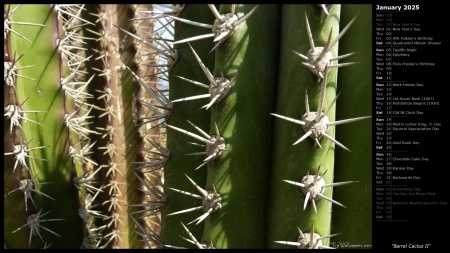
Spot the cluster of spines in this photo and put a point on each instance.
(154, 59)
(106, 111)
(115, 104)
(152, 65)
(80, 119)
(26, 182)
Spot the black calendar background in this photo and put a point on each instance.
(414, 225)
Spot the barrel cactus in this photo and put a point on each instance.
(172, 126)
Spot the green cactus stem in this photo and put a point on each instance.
(179, 163)
(241, 173)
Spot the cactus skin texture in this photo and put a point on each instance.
(89, 122)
